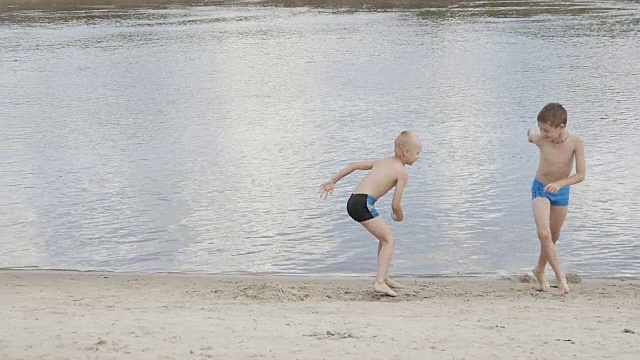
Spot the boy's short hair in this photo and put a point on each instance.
(406, 139)
(553, 114)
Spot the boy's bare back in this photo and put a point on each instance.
(382, 177)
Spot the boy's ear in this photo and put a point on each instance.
(405, 151)
(562, 126)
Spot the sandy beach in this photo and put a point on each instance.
(69, 315)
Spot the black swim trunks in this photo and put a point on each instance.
(360, 207)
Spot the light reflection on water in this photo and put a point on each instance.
(195, 138)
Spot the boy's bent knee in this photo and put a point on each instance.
(387, 239)
(544, 235)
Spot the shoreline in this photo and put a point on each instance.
(525, 277)
(83, 4)
(74, 315)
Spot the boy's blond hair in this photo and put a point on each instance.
(553, 114)
(405, 140)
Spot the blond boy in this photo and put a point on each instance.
(383, 175)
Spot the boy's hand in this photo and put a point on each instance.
(395, 217)
(326, 189)
(553, 188)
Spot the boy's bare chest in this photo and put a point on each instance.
(557, 153)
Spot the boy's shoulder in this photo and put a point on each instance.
(576, 139)
(391, 164)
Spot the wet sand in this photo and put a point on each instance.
(69, 315)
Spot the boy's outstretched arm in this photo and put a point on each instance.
(329, 185)
(396, 204)
(533, 136)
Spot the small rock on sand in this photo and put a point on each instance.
(573, 278)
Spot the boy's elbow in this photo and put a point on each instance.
(356, 166)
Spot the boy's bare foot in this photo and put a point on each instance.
(383, 289)
(563, 287)
(393, 284)
(543, 283)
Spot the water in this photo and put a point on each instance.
(194, 139)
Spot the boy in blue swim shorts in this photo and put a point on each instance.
(550, 189)
(383, 175)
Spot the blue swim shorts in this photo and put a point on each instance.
(561, 198)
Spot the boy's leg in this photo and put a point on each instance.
(388, 280)
(381, 231)
(558, 215)
(541, 210)
(541, 215)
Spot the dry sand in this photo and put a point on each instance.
(68, 315)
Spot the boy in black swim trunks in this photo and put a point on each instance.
(384, 174)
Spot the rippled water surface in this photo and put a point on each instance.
(195, 138)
